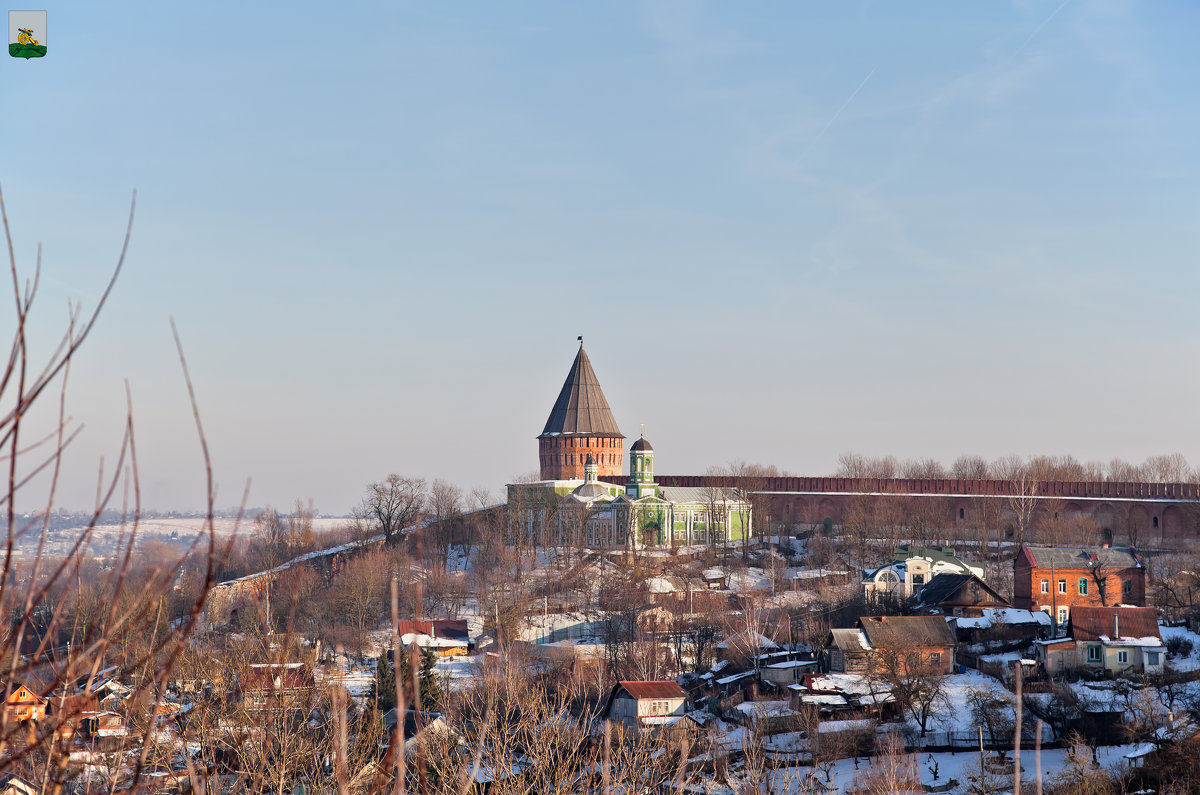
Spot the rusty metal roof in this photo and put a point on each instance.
(1089, 623)
(664, 689)
(581, 408)
(907, 632)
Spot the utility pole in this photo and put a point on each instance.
(1017, 733)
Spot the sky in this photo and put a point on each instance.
(785, 230)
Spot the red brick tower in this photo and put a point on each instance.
(580, 424)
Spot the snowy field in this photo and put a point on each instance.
(189, 527)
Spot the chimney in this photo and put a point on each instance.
(1116, 626)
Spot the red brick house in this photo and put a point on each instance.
(1055, 579)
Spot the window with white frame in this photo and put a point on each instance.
(1123, 658)
(1093, 654)
(1062, 586)
(1045, 586)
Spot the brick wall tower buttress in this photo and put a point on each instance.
(580, 425)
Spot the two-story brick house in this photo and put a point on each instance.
(1055, 579)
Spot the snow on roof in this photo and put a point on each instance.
(749, 640)
(1149, 642)
(1004, 657)
(714, 573)
(853, 684)
(810, 574)
(793, 664)
(660, 585)
(995, 616)
(830, 726)
(428, 642)
(734, 677)
(764, 709)
(826, 700)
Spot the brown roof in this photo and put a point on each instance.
(916, 632)
(1081, 557)
(290, 676)
(581, 407)
(663, 689)
(438, 628)
(1089, 623)
(414, 628)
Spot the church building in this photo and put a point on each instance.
(583, 498)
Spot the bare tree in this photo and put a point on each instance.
(970, 467)
(856, 465)
(445, 508)
(1023, 503)
(360, 591)
(393, 504)
(1171, 468)
(891, 770)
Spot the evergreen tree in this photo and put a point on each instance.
(385, 683)
(431, 685)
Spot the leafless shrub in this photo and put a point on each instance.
(120, 618)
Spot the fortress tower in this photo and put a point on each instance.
(580, 425)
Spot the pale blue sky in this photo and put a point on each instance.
(786, 231)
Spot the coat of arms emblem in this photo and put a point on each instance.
(27, 34)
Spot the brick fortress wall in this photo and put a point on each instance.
(1154, 510)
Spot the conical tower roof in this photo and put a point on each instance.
(581, 407)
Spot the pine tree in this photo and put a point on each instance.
(385, 684)
(431, 686)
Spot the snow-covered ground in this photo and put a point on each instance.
(1191, 662)
(458, 672)
(949, 765)
(953, 714)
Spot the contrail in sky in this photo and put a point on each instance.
(1038, 29)
(849, 99)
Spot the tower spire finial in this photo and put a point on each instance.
(580, 338)
(643, 430)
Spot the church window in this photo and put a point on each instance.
(1155, 522)
(962, 513)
